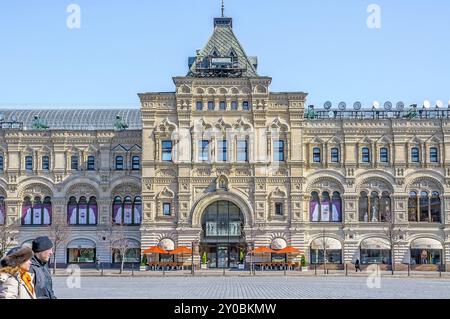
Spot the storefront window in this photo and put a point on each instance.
(375, 256)
(132, 255)
(425, 256)
(81, 255)
(334, 256)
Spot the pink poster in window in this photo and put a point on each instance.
(128, 214)
(137, 214)
(325, 208)
(82, 214)
(47, 211)
(26, 215)
(37, 214)
(93, 214)
(117, 213)
(72, 214)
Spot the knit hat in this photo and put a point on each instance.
(16, 256)
(41, 244)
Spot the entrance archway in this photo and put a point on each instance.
(223, 239)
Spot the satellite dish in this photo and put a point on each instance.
(426, 104)
(388, 106)
(14, 118)
(342, 106)
(357, 106)
(400, 106)
(327, 105)
(376, 105)
(439, 104)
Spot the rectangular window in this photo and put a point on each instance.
(279, 209)
(74, 162)
(384, 155)
(166, 209)
(211, 105)
(223, 105)
(222, 150)
(29, 163)
(45, 163)
(317, 158)
(245, 106)
(167, 151)
(242, 151)
(199, 105)
(119, 163)
(203, 151)
(90, 163)
(1, 163)
(136, 163)
(234, 105)
(415, 158)
(334, 155)
(278, 149)
(365, 155)
(433, 155)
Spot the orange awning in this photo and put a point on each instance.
(262, 250)
(181, 251)
(155, 250)
(289, 250)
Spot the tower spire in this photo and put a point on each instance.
(223, 8)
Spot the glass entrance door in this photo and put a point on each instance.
(222, 257)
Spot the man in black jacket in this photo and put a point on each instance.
(43, 284)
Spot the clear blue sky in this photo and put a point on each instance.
(322, 47)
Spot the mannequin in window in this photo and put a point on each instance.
(366, 217)
(424, 257)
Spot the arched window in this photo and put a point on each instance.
(234, 105)
(90, 163)
(434, 155)
(2, 164)
(199, 106)
(2, 210)
(278, 147)
(136, 163)
(413, 208)
(384, 155)
(424, 205)
(245, 105)
(36, 212)
(29, 163)
(365, 155)
(325, 209)
(435, 208)
(385, 208)
(374, 207)
(363, 207)
(222, 105)
(46, 163)
(415, 155)
(211, 105)
(128, 211)
(119, 163)
(82, 212)
(317, 158)
(335, 155)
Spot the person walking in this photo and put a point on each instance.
(98, 263)
(43, 250)
(15, 280)
(357, 265)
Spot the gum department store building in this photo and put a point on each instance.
(225, 164)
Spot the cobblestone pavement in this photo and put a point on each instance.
(278, 287)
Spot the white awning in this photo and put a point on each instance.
(426, 243)
(81, 243)
(330, 244)
(375, 243)
(167, 244)
(278, 243)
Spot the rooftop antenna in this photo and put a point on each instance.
(223, 9)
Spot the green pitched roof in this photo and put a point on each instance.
(224, 43)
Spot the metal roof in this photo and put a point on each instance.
(75, 119)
